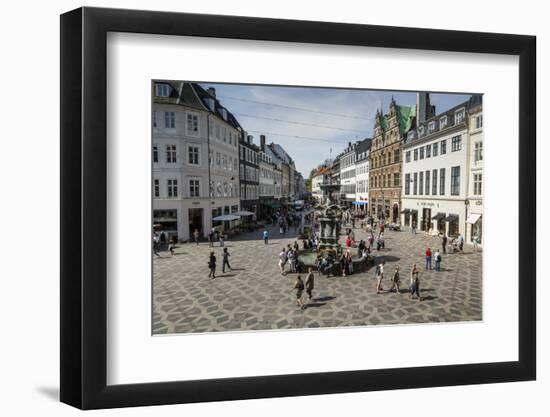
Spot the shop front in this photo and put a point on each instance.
(475, 223)
(439, 222)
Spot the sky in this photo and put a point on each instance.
(313, 124)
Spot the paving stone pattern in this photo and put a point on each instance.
(255, 296)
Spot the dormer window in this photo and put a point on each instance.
(163, 90)
(459, 116)
(431, 126)
(224, 114)
(421, 130)
(443, 122)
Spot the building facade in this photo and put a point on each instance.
(347, 175)
(474, 218)
(195, 158)
(362, 176)
(436, 173)
(249, 174)
(385, 161)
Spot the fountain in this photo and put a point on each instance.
(330, 218)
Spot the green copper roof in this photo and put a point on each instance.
(405, 116)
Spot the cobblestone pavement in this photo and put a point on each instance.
(255, 296)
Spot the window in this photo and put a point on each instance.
(396, 179)
(408, 156)
(193, 155)
(428, 151)
(194, 188)
(163, 90)
(192, 124)
(435, 149)
(459, 117)
(421, 183)
(479, 121)
(456, 143)
(477, 184)
(169, 120)
(156, 188)
(224, 134)
(407, 184)
(155, 153)
(415, 153)
(396, 156)
(235, 164)
(218, 159)
(443, 122)
(154, 119)
(218, 132)
(415, 183)
(478, 151)
(455, 180)
(422, 152)
(443, 147)
(171, 154)
(172, 186)
(224, 161)
(442, 181)
(434, 182)
(427, 187)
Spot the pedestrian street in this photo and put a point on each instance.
(255, 296)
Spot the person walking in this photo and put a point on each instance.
(414, 278)
(342, 262)
(171, 246)
(437, 257)
(444, 243)
(475, 241)
(413, 227)
(310, 284)
(282, 261)
(291, 260)
(212, 265)
(196, 236)
(460, 242)
(382, 240)
(221, 240)
(415, 285)
(349, 262)
(225, 260)
(266, 237)
(379, 277)
(211, 238)
(299, 287)
(395, 281)
(428, 259)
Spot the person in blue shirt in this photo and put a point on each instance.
(266, 236)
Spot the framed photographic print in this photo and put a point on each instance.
(256, 208)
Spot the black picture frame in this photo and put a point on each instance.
(84, 207)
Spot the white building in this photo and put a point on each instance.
(362, 176)
(316, 191)
(436, 172)
(189, 128)
(474, 219)
(347, 175)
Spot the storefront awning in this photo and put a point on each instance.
(406, 211)
(451, 218)
(473, 218)
(360, 203)
(438, 216)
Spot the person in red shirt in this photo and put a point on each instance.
(428, 259)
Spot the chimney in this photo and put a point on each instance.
(212, 91)
(250, 139)
(262, 142)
